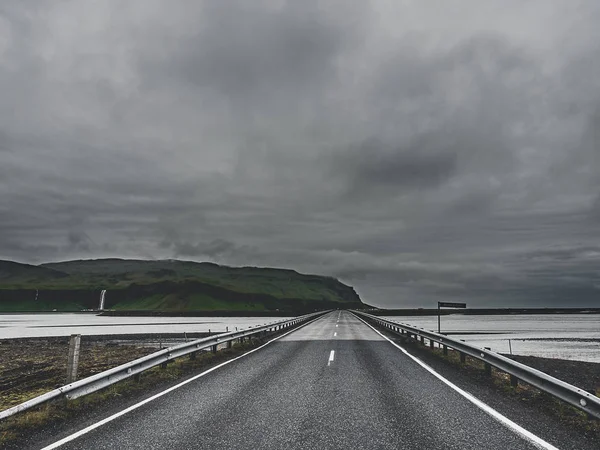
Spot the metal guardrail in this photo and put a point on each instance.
(101, 380)
(577, 397)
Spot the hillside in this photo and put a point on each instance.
(167, 285)
(13, 272)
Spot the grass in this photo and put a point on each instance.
(55, 414)
(568, 414)
(161, 285)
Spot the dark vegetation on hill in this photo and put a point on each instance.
(167, 285)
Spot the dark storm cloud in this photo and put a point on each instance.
(215, 249)
(417, 156)
(372, 165)
(254, 52)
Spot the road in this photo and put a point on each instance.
(333, 384)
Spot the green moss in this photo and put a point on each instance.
(19, 425)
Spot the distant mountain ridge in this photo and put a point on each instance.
(166, 285)
(14, 270)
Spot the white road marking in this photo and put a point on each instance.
(528, 435)
(331, 357)
(336, 326)
(335, 334)
(86, 430)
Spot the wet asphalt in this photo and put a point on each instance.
(333, 384)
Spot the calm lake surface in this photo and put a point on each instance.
(565, 336)
(65, 324)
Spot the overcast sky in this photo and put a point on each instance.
(417, 150)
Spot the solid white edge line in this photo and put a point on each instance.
(527, 435)
(86, 430)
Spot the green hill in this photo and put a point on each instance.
(13, 272)
(167, 285)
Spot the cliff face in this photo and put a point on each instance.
(172, 286)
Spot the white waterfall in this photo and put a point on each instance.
(102, 295)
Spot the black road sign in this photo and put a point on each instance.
(451, 305)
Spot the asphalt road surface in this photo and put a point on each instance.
(333, 384)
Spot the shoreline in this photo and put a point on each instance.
(480, 311)
(289, 313)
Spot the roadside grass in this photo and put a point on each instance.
(524, 392)
(33, 366)
(53, 415)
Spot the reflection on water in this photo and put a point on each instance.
(565, 336)
(64, 324)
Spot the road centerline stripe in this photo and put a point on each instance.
(98, 424)
(331, 357)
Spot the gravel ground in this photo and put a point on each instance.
(32, 366)
(585, 375)
(538, 413)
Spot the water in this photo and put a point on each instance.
(65, 324)
(102, 296)
(565, 336)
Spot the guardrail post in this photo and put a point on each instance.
(422, 340)
(487, 366)
(589, 404)
(488, 369)
(229, 344)
(73, 360)
(193, 355)
(431, 343)
(214, 348)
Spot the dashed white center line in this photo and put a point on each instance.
(336, 326)
(335, 334)
(331, 357)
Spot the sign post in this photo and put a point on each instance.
(447, 305)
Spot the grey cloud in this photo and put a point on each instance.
(290, 46)
(373, 165)
(79, 240)
(213, 249)
(414, 157)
